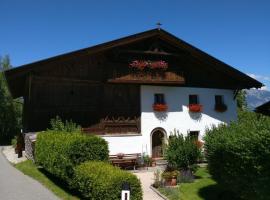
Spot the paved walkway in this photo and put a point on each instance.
(147, 178)
(14, 185)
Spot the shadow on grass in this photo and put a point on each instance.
(60, 183)
(215, 192)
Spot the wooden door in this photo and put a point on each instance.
(157, 144)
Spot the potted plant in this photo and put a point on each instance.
(195, 107)
(146, 160)
(174, 175)
(170, 177)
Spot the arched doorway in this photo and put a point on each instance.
(158, 137)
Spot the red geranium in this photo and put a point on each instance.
(195, 107)
(142, 64)
(160, 107)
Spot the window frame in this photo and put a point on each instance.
(159, 98)
(221, 100)
(192, 98)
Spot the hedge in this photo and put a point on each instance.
(239, 156)
(59, 152)
(102, 181)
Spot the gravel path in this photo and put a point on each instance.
(147, 178)
(14, 185)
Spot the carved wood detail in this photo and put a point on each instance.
(151, 76)
(115, 125)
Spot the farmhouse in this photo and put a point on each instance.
(133, 91)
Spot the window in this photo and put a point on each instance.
(219, 100)
(193, 99)
(159, 99)
(194, 135)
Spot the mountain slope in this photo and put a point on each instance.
(257, 97)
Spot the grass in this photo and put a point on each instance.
(203, 188)
(56, 186)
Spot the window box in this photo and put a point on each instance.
(220, 107)
(144, 64)
(160, 107)
(195, 107)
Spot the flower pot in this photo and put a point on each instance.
(174, 181)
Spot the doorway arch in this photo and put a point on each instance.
(158, 138)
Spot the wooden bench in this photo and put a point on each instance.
(125, 161)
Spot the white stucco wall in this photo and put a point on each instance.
(125, 144)
(177, 116)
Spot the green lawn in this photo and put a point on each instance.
(57, 187)
(203, 188)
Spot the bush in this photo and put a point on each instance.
(68, 126)
(60, 152)
(239, 156)
(182, 152)
(102, 181)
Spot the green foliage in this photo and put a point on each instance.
(68, 126)
(10, 110)
(170, 174)
(146, 159)
(102, 181)
(60, 152)
(181, 152)
(239, 155)
(241, 100)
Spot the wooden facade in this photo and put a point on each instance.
(96, 88)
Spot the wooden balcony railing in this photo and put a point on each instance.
(118, 125)
(148, 77)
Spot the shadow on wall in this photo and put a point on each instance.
(208, 110)
(161, 116)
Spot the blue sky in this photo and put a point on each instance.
(234, 31)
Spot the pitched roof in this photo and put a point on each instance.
(264, 108)
(19, 73)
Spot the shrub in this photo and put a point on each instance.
(181, 152)
(68, 126)
(102, 181)
(60, 152)
(239, 155)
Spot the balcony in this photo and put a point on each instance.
(119, 125)
(147, 77)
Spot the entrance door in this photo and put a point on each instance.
(157, 144)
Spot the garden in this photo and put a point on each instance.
(238, 162)
(76, 166)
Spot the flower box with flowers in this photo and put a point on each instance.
(220, 107)
(195, 107)
(148, 64)
(160, 107)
